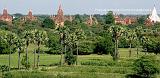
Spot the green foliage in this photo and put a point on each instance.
(48, 23)
(53, 43)
(104, 46)
(7, 42)
(110, 18)
(70, 59)
(24, 62)
(152, 45)
(123, 43)
(142, 19)
(98, 62)
(146, 67)
(4, 68)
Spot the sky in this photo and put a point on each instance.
(80, 6)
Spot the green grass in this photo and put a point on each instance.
(90, 66)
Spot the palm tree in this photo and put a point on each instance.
(130, 37)
(20, 45)
(40, 37)
(139, 35)
(79, 35)
(10, 39)
(63, 32)
(28, 36)
(117, 32)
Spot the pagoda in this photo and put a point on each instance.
(59, 18)
(5, 16)
(91, 21)
(29, 17)
(154, 16)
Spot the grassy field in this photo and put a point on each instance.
(90, 66)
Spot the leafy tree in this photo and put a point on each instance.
(11, 40)
(20, 45)
(79, 35)
(105, 46)
(145, 67)
(116, 31)
(130, 37)
(28, 36)
(48, 23)
(139, 35)
(142, 19)
(53, 43)
(110, 18)
(40, 37)
(63, 33)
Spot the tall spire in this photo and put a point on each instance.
(5, 11)
(154, 16)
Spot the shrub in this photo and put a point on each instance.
(145, 67)
(70, 58)
(24, 62)
(4, 68)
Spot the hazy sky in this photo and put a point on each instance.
(79, 6)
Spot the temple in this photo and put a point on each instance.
(124, 21)
(5, 16)
(59, 18)
(153, 18)
(91, 21)
(29, 17)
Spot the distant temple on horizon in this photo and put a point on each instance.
(153, 18)
(6, 17)
(91, 21)
(124, 21)
(29, 17)
(59, 19)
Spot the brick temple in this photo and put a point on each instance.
(6, 17)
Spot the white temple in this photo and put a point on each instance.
(154, 16)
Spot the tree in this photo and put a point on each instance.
(139, 35)
(110, 18)
(48, 23)
(28, 36)
(105, 46)
(145, 67)
(63, 33)
(116, 31)
(130, 37)
(79, 35)
(40, 37)
(20, 45)
(142, 19)
(11, 40)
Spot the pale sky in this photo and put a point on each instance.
(79, 6)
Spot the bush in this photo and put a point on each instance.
(145, 67)
(24, 62)
(4, 68)
(70, 58)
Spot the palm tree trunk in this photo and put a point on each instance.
(137, 49)
(10, 58)
(77, 55)
(61, 60)
(34, 58)
(38, 60)
(27, 56)
(130, 51)
(116, 53)
(19, 58)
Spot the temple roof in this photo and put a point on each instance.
(154, 16)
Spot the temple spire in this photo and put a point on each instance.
(154, 16)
